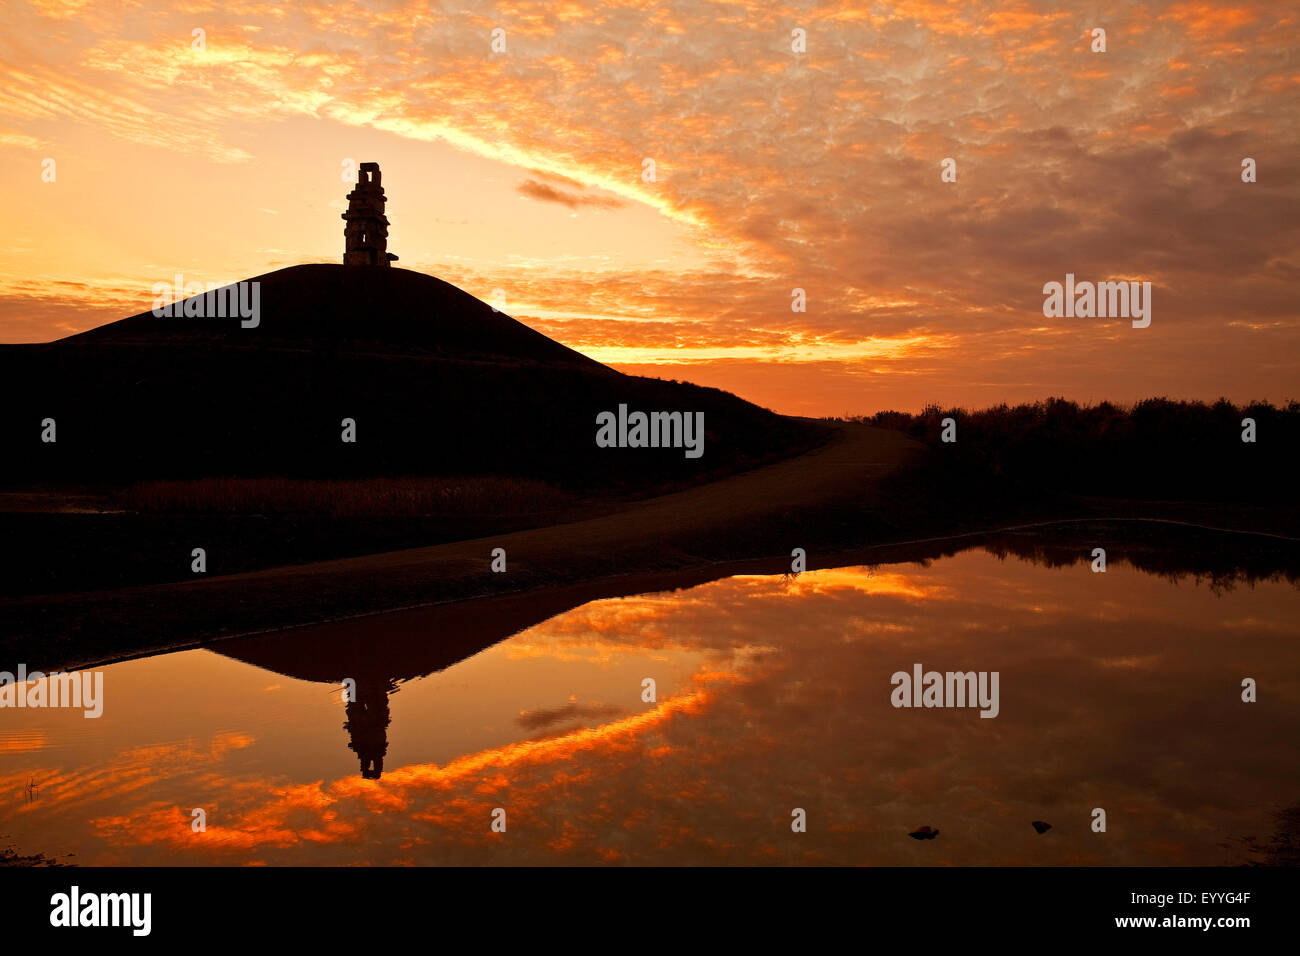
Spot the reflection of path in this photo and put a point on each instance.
(367, 725)
(657, 535)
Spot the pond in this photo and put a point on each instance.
(750, 720)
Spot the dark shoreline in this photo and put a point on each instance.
(1062, 541)
(850, 501)
(399, 648)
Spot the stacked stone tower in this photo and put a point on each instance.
(366, 233)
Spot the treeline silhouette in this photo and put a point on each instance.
(1157, 449)
(1221, 562)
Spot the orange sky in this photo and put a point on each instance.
(521, 170)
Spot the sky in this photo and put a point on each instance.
(524, 170)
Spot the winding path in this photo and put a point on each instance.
(654, 540)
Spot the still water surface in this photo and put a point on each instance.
(1120, 691)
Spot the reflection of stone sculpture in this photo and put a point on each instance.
(366, 232)
(367, 725)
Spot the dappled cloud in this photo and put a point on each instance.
(775, 170)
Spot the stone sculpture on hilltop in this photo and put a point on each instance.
(366, 233)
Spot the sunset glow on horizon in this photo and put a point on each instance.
(522, 170)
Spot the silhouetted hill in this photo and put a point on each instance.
(436, 381)
(383, 311)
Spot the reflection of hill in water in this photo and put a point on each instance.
(398, 646)
(380, 652)
(404, 645)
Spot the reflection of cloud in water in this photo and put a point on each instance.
(540, 719)
(455, 797)
(1118, 691)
